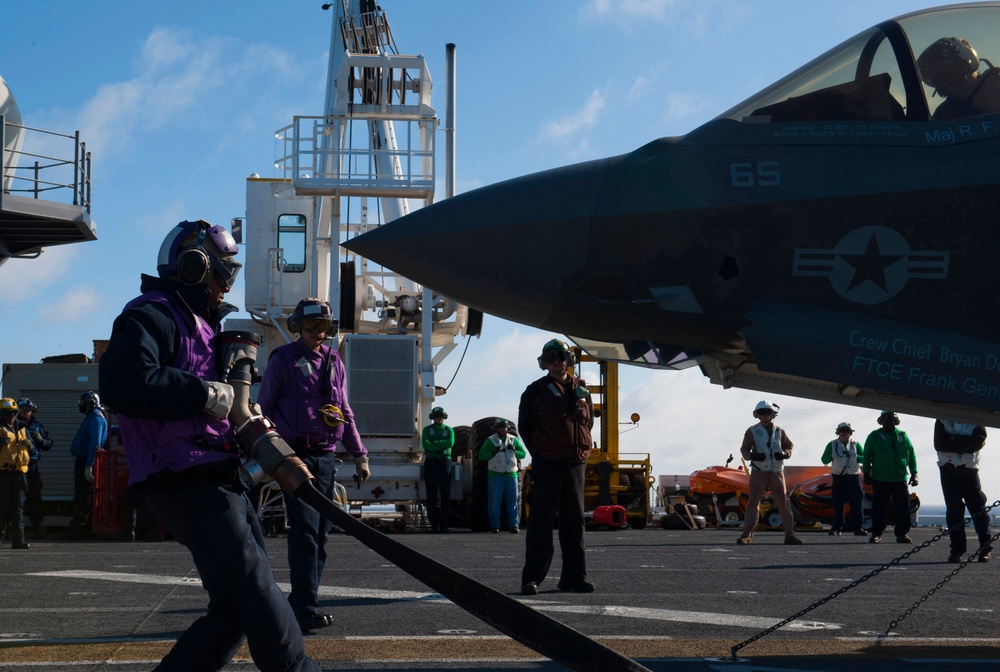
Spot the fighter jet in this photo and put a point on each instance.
(833, 237)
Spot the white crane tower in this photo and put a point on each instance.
(339, 174)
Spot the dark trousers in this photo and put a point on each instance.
(882, 492)
(33, 509)
(12, 487)
(557, 489)
(437, 477)
(847, 490)
(83, 494)
(211, 515)
(307, 534)
(961, 489)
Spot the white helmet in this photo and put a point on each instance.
(764, 405)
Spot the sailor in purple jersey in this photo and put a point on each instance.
(159, 373)
(304, 392)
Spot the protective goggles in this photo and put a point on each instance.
(225, 271)
(557, 356)
(316, 324)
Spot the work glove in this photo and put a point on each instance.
(867, 479)
(914, 480)
(361, 464)
(782, 455)
(88, 473)
(757, 456)
(36, 436)
(220, 399)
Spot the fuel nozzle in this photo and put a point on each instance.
(237, 361)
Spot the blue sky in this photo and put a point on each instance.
(179, 101)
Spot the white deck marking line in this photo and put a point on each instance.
(706, 618)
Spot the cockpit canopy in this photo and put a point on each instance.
(876, 75)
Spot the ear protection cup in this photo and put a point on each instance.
(293, 324)
(193, 266)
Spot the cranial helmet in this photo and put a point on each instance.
(764, 405)
(888, 418)
(88, 402)
(24, 404)
(312, 309)
(947, 63)
(438, 412)
(8, 407)
(557, 348)
(501, 422)
(192, 251)
(844, 426)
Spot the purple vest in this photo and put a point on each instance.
(152, 446)
(297, 383)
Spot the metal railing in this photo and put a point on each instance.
(56, 168)
(319, 155)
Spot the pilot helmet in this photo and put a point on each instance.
(947, 64)
(844, 426)
(764, 405)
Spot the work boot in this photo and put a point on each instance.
(792, 540)
(529, 588)
(875, 540)
(576, 587)
(314, 621)
(985, 555)
(904, 539)
(743, 540)
(860, 533)
(955, 558)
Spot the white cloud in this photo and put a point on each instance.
(570, 131)
(643, 85)
(630, 10)
(181, 81)
(689, 106)
(35, 275)
(77, 304)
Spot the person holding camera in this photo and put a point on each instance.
(888, 455)
(555, 417)
(503, 451)
(958, 445)
(767, 446)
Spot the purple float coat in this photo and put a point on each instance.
(297, 383)
(157, 445)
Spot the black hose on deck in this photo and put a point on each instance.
(520, 622)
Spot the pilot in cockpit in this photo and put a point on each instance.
(951, 67)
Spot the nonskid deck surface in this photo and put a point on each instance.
(673, 600)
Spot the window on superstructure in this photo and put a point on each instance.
(292, 242)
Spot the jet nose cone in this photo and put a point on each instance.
(503, 249)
